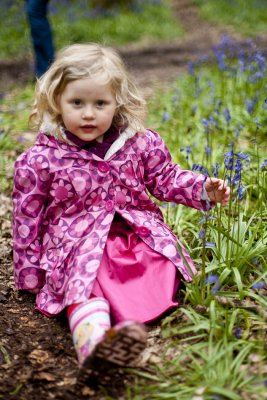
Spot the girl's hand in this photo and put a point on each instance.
(217, 190)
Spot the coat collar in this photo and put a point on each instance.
(72, 151)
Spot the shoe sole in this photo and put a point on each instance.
(119, 348)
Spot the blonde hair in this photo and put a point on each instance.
(80, 61)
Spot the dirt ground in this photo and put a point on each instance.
(37, 359)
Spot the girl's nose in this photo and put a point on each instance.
(88, 112)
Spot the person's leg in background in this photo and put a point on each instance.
(41, 34)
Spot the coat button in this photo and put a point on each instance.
(103, 167)
(143, 231)
(109, 205)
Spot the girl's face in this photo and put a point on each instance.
(87, 108)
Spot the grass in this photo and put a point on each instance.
(213, 346)
(247, 17)
(74, 22)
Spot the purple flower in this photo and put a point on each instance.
(212, 279)
(202, 234)
(208, 150)
(190, 68)
(216, 288)
(240, 191)
(264, 164)
(165, 117)
(250, 104)
(258, 285)
(215, 170)
(238, 333)
(227, 115)
(220, 56)
(188, 151)
(210, 245)
(206, 217)
(205, 122)
(200, 168)
(229, 159)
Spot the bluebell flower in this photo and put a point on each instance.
(205, 122)
(216, 288)
(197, 167)
(238, 333)
(211, 119)
(227, 115)
(187, 150)
(200, 168)
(240, 191)
(202, 234)
(190, 68)
(258, 285)
(210, 245)
(208, 150)
(175, 99)
(220, 56)
(256, 77)
(242, 62)
(165, 117)
(264, 164)
(206, 217)
(241, 155)
(215, 170)
(250, 104)
(229, 159)
(212, 279)
(260, 61)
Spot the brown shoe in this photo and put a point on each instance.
(121, 346)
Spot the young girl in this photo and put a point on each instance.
(87, 235)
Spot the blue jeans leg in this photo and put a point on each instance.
(41, 34)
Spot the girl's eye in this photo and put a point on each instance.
(100, 103)
(77, 102)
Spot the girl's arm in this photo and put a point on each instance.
(168, 182)
(29, 198)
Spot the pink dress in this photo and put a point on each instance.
(139, 283)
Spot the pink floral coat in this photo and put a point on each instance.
(65, 199)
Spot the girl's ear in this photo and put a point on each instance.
(57, 101)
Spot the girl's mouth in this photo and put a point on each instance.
(88, 128)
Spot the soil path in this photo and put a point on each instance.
(154, 65)
(37, 359)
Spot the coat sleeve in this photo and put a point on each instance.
(167, 181)
(30, 189)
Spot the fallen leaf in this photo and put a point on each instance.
(39, 356)
(45, 376)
